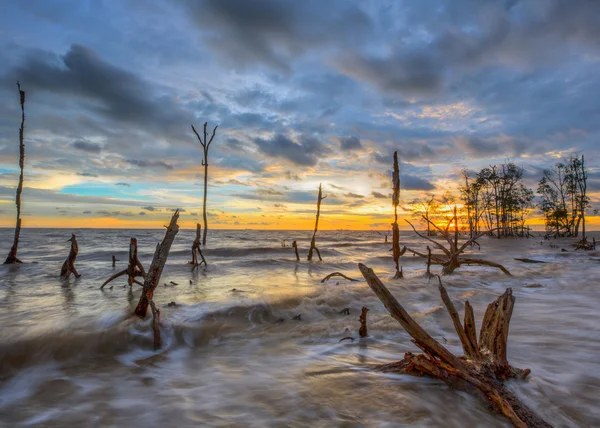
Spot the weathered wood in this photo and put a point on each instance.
(295, 245)
(338, 274)
(482, 376)
(156, 324)
(68, 266)
(196, 251)
(205, 147)
(134, 268)
(12, 254)
(362, 331)
(313, 246)
(396, 253)
(525, 260)
(452, 258)
(471, 328)
(158, 263)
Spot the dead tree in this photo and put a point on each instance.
(396, 252)
(196, 251)
(12, 255)
(205, 147)
(134, 268)
(452, 257)
(68, 266)
(153, 277)
(313, 246)
(483, 368)
(114, 261)
(295, 245)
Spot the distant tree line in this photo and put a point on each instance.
(496, 199)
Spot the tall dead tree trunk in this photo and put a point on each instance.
(482, 370)
(396, 252)
(153, 277)
(313, 246)
(196, 251)
(68, 266)
(205, 147)
(134, 269)
(12, 255)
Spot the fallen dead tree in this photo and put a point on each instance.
(68, 266)
(452, 257)
(313, 246)
(196, 251)
(483, 368)
(338, 274)
(134, 268)
(153, 277)
(12, 255)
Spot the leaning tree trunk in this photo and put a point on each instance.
(134, 268)
(153, 277)
(313, 246)
(12, 255)
(68, 266)
(205, 147)
(482, 370)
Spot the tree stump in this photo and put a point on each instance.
(134, 268)
(295, 245)
(68, 266)
(196, 251)
(483, 368)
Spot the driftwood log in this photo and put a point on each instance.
(205, 146)
(68, 266)
(396, 252)
(196, 251)
(452, 257)
(134, 268)
(295, 245)
(153, 277)
(483, 368)
(529, 260)
(313, 246)
(12, 254)
(338, 274)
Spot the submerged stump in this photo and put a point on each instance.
(196, 251)
(68, 266)
(134, 268)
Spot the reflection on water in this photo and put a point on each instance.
(72, 355)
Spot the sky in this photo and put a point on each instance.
(303, 92)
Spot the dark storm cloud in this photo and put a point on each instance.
(379, 195)
(350, 143)
(412, 182)
(87, 174)
(274, 32)
(87, 146)
(123, 184)
(120, 95)
(149, 163)
(149, 208)
(306, 151)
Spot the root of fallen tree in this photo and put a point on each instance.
(483, 368)
(68, 266)
(338, 274)
(134, 269)
(153, 277)
(196, 251)
(452, 257)
(313, 246)
(12, 254)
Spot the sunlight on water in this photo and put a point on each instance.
(71, 354)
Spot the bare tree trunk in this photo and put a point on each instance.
(313, 246)
(205, 147)
(68, 266)
(158, 263)
(12, 255)
(295, 245)
(396, 252)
